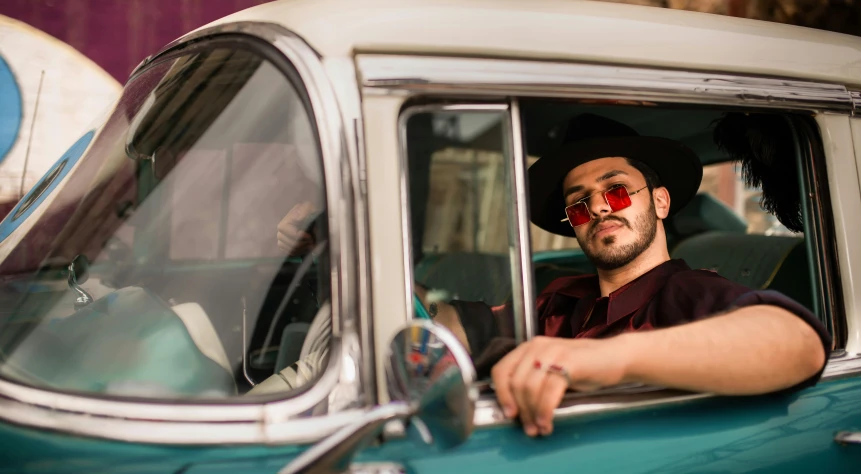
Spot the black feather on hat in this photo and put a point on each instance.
(763, 144)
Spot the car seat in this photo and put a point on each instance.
(757, 261)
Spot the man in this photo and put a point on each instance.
(644, 317)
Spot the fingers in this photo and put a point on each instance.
(552, 391)
(525, 378)
(529, 391)
(501, 374)
(295, 250)
(297, 215)
(291, 235)
(528, 380)
(299, 239)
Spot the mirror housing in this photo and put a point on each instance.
(431, 381)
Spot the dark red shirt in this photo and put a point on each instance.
(667, 295)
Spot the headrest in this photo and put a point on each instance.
(704, 213)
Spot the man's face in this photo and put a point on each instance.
(612, 239)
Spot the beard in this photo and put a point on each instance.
(610, 257)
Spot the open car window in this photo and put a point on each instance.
(724, 228)
(182, 255)
(462, 218)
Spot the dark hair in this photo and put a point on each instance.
(652, 179)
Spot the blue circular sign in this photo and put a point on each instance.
(45, 186)
(10, 109)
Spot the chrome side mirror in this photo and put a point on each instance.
(430, 380)
(431, 370)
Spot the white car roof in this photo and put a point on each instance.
(566, 30)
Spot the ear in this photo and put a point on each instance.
(662, 202)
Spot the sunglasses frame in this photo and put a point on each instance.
(585, 201)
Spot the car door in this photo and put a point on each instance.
(462, 167)
(166, 307)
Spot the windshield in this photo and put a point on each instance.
(151, 264)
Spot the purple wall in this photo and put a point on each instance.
(118, 34)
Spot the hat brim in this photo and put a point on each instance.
(677, 166)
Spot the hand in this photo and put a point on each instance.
(525, 387)
(291, 234)
(447, 317)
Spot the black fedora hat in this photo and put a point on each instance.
(589, 137)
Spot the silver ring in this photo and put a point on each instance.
(561, 371)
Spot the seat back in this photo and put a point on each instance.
(704, 213)
(756, 261)
(468, 276)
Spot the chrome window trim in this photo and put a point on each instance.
(488, 413)
(402, 74)
(240, 421)
(824, 261)
(856, 102)
(842, 364)
(523, 237)
(343, 76)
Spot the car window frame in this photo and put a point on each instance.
(295, 419)
(460, 79)
(521, 285)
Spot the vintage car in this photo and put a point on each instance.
(222, 276)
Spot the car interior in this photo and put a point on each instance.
(175, 242)
(708, 233)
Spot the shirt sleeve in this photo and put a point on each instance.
(775, 298)
(701, 294)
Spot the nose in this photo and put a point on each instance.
(597, 205)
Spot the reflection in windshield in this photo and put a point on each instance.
(175, 206)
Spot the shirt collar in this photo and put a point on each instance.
(640, 290)
(630, 297)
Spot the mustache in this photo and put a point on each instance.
(595, 223)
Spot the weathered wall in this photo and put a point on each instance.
(117, 34)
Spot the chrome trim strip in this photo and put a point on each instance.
(298, 431)
(842, 364)
(482, 76)
(251, 421)
(403, 163)
(821, 224)
(342, 74)
(523, 237)
(848, 437)
(488, 412)
(856, 102)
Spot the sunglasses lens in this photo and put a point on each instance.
(618, 198)
(578, 214)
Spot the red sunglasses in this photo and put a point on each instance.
(617, 197)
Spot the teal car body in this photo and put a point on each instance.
(727, 436)
(150, 323)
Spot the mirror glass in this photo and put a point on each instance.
(431, 370)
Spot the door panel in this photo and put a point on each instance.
(724, 434)
(30, 451)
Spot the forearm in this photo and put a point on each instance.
(756, 349)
